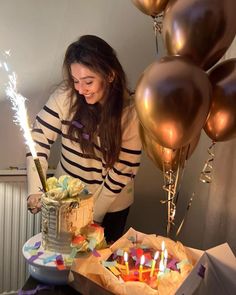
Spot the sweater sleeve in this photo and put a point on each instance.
(46, 129)
(124, 169)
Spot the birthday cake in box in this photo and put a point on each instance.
(154, 266)
(137, 264)
(67, 217)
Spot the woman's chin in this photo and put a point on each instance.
(90, 100)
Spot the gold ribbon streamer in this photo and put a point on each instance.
(206, 173)
(170, 180)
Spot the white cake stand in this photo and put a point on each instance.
(41, 269)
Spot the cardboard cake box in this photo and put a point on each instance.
(214, 272)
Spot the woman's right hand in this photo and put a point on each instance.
(34, 203)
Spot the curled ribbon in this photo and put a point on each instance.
(158, 22)
(206, 175)
(157, 26)
(170, 180)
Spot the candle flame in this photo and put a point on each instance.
(156, 256)
(18, 105)
(125, 256)
(163, 245)
(142, 260)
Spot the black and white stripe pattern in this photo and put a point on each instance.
(53, 121)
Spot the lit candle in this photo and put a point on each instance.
(161, 263)
(126, 262)
(142, 261)
(154, 263)
(161, 266)
(162, 250)
(165, 258)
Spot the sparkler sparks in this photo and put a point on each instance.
(21, 117)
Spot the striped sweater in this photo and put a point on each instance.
(112, 188)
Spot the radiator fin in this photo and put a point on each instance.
(17, 225)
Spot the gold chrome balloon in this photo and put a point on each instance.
(165, 158)
(150, 7)
(172, 100)
(221, 123)
(199, 29)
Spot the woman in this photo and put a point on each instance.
(98, 125)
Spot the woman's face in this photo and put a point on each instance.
(88, 83)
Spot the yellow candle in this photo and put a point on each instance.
(154, 263)
(142, 260)
(126, 262)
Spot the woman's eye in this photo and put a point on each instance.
(75, 82)
(89, 83)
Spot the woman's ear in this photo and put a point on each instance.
(111, 77)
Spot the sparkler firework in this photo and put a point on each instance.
(20, 115)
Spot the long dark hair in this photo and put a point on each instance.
(92, 120)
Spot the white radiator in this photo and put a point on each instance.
(16, 227)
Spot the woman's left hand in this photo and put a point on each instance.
(34, 203)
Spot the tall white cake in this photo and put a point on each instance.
(67, 208)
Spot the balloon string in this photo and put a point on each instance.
(156, 39)
(206, 173)
(205, 177)
(172, 182)
(157, 25)
(185, 216)
(182, 171)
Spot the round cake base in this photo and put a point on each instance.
(42, 263)
(49, 277)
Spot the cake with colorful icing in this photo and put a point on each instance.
(155, 267)
(67, 217)
(147, 264)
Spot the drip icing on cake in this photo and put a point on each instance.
(67, 208)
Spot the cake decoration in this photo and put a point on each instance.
(67, 218)
(91, 237)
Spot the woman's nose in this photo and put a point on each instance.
(82, 89)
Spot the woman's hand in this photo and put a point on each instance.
(34, 203)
